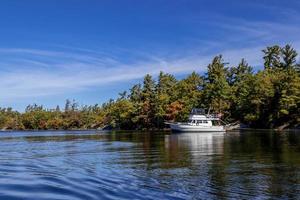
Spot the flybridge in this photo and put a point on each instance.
(200, 113)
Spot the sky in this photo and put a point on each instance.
(90, 50)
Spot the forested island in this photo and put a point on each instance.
(269, 98)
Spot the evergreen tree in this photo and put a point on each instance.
(289, 56)
(272, 57)
(216, 89)
(240, 80)
(123, 95)
(136, 98)
(57, 109)
(237, 74)
(136, 93)
(164, 94)
(68, 105)
(148, 98)
(188, 92)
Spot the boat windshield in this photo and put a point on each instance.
(198, 121)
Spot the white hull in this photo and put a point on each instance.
(180, 127)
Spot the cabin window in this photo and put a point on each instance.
(205, 121)
(199, 122)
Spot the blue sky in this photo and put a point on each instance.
(90, 50)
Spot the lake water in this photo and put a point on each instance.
(135, 165)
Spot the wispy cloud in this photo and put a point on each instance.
(27, 72)
(77, 72)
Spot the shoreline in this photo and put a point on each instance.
(142, 130)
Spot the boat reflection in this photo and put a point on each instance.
(204, 143)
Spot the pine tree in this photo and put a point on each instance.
(148, 98)
(237, 74)
(188, 92)
(240, 79)
(289, 56)
(272, 57)
(216, 89)
(164, 93)
(57, 109)
(68, 105)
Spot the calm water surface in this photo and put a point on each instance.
(135, 165)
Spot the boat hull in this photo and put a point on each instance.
(190, 128)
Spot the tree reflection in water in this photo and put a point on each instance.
(239, 165)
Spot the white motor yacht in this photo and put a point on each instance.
(199, 122)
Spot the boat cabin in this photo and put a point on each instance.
(199, 118)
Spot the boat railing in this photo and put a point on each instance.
(213, 116)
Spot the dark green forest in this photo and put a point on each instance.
(269, 98)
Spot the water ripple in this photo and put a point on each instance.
(90, 165)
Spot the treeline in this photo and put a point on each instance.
(269, 98)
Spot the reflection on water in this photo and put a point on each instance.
(135, 165)
(197, 143)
